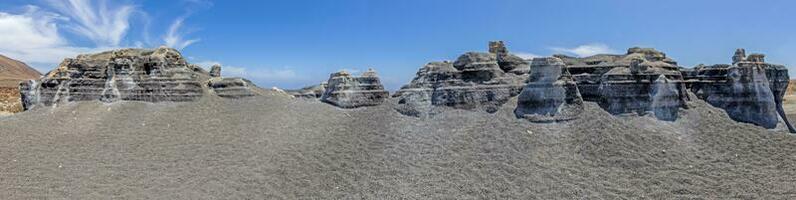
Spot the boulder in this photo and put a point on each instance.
(550, 95)
(347, 91)
(215, 71)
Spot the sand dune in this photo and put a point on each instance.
(274, 147)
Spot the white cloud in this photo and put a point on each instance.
(98, 21)
(174, 38)
(33, 37)
(587, 50)
(526, 56)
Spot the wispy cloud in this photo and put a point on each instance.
(175, 37)
(32, 36)
(38, 34)
(102, 22)
(586, 50)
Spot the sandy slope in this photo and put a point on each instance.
(277, 148)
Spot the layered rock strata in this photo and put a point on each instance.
(123, 75)
(475, 81)
(309, 92)
(642, 80)
(347, 91)
(551, 94)
(750, 90)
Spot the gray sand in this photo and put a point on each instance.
(273, 147)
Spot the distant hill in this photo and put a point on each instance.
(13, 71)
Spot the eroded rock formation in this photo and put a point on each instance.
(309, 92)
(126, 75)
(475, 80)
(347, 91)
(640, 81)
(750, 90)
(551, 94)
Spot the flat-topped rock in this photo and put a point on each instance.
(750, 90)
(347, 91)
(475, 81)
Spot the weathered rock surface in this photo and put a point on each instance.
(474, 81)
(640, 81)
(347, 91)
(232, 87)
(550, 95)
(309, 92)
(155, 75)
(13, 72)
(750, 90)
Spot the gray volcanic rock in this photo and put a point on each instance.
(156, 75)
(473, 81)
(551, 94)
(631, 83)
(232, 87)
(347, 91)
(309, 92)
(128, 74)
(215, 71)
(750, 90)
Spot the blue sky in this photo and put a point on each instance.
(293, 43)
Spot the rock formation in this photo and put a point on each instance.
(126, 75)
(551, 94)
(347, 91)
(232, 87)
(309, 92)
(13, 72)
(474, 81)
(750, 90)
(215, 71)
(640, 81)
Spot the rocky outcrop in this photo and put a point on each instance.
(232, 87)
(309, 92)
(347, 91)
(475, 81)
(12, 73)
(642, 80)
(750, 90)
(127, 75)
(551, 94)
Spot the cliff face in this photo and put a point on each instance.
(130, 75)
(12, 72)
